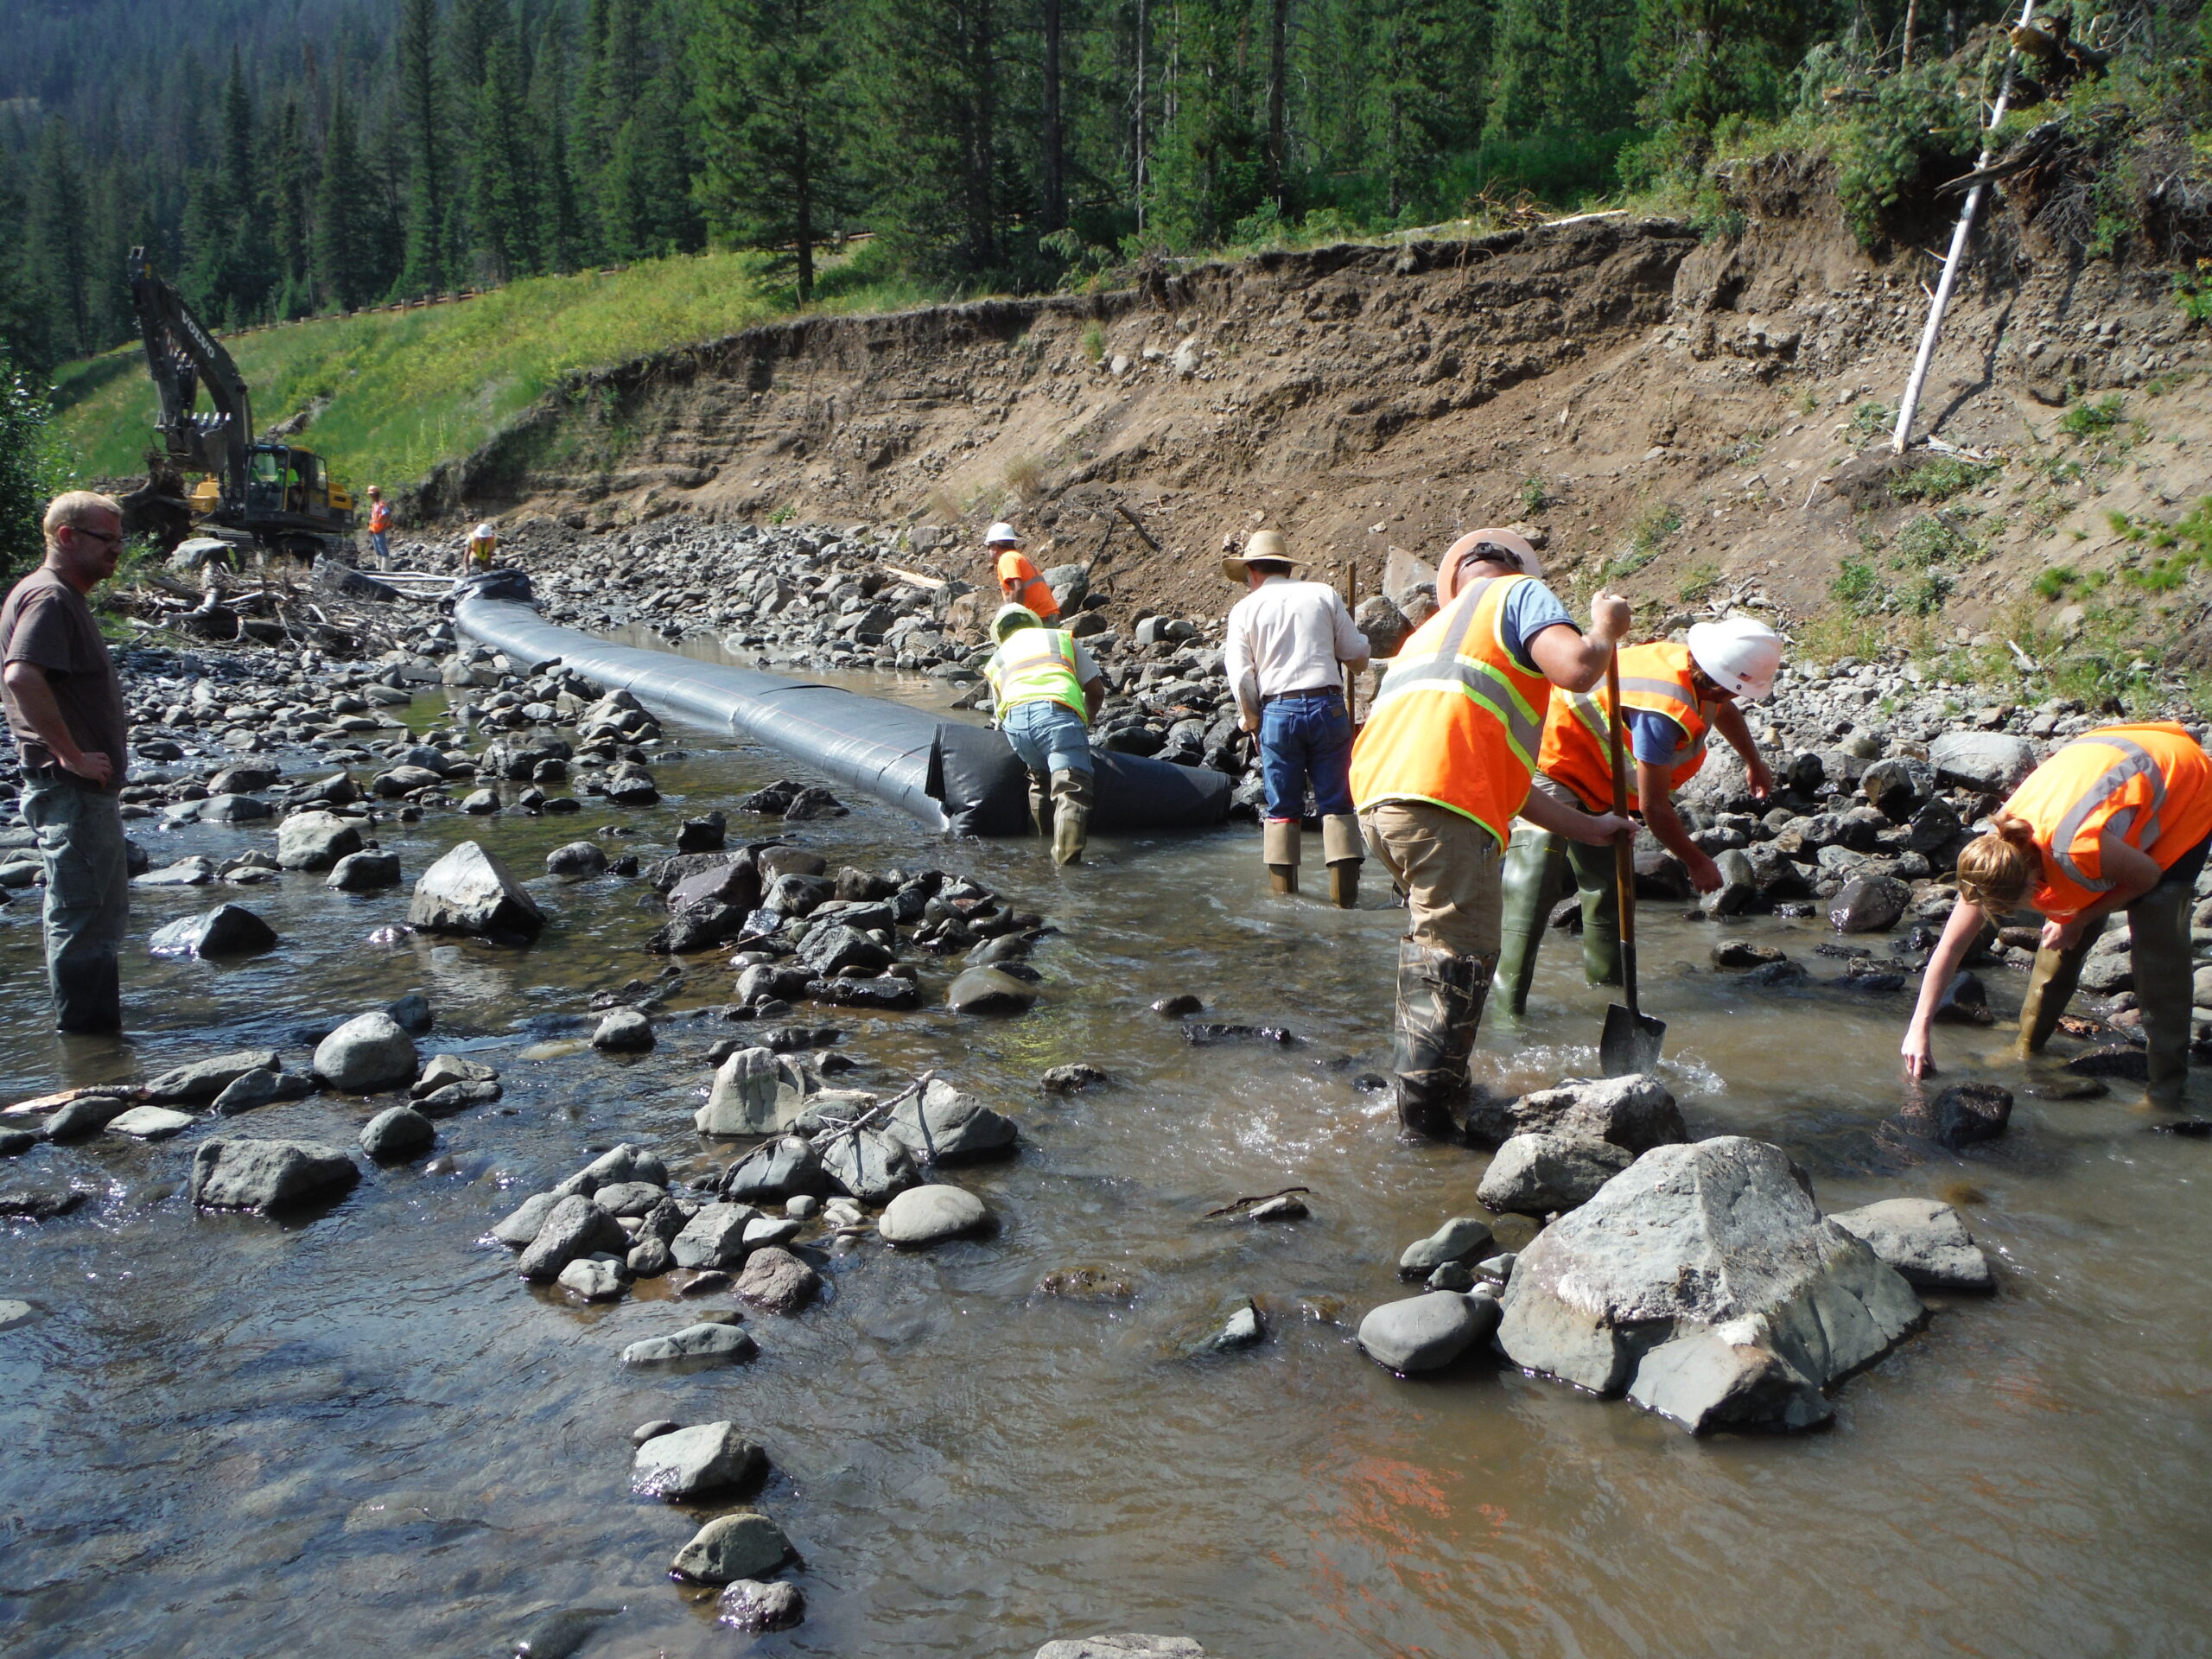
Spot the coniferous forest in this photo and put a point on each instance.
(288, 159)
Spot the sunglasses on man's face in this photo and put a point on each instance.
(109, 537)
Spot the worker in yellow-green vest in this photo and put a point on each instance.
(1046, 689)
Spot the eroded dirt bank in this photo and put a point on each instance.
(1681, 413)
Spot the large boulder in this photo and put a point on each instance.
(868, 1164)
(1718, 1238)
(746, 1545)
(1993, 762)
(267, 1174)
(714, 1238)
(833, 948)
(365, 872)
(574, 1227)
(782, 1169)
(1635, 1112)
(469, 891)
(225, 930)
(368, 1053)
(315, 841)
(943, 1126)
(754, 1092)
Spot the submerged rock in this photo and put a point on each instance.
(709, 1343)
(1124, 1647)
(225, 930)
(1690, 1239)
(230, 1174)
(150, 1124)
(989, 990)
(689, 1463)
(202, 1080)
(397, 1132)
(760, 1604)
(1924, 1240)
(1967, 1114)
(1426, 1333)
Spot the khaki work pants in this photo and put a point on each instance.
(1452, 870)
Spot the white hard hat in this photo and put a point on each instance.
(1740, 654)
(1000, 532)
(1510, 541)
(484, 532)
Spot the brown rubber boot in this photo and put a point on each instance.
(1278, 846)
(1344, 851)
(1072, 793)
(2164, 974)
(1040, 803)
(1441, 998)
(2051, 982)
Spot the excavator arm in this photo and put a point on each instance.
(182, 356)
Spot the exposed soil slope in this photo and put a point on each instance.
(1682, 406)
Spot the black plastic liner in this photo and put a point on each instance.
(964, 779)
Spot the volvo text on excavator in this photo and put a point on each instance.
(278, 493)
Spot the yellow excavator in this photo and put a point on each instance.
(279, 494)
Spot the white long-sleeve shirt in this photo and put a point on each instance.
(1289, 636)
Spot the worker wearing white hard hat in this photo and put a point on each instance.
(1673, 698)
(1019, 581)
(482, 546)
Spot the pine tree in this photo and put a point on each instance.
(59, 246)
(421, 97)
(932, 137)
(1212, 165)
(561, 230)
(503, 149)
(344, 275)
(771, 140)
(291, 191)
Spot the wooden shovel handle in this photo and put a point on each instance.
(1625, 843)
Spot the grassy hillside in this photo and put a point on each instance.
(405, 389)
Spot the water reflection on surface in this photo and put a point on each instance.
(356, 1433)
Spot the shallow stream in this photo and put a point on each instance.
(358, 1432)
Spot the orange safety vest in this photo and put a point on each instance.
(379, 518)
(1457, 723)
(1578, 735)
(1015, 567)
(2153, 779)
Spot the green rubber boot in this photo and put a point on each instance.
(1594, 877)
(1533, 879)
(2164, 973)
(2051, 983)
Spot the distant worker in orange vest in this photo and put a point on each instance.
(2118, 819)
(482, 545)
(379, 528)
(1440, 771)
(1672, 698)
(1019, 583)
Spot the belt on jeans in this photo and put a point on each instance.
(1309, 691)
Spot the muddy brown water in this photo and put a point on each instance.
(356, 1431)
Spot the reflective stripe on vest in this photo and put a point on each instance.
(1578, 737)
(1457, 723)
(1035, 665)
(2152, 782)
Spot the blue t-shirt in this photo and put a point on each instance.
(1530, 607)
(1654, 738)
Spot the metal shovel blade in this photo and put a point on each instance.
(1630, 1043)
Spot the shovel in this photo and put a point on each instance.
(1632, 1039)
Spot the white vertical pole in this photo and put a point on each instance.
(1959, 238)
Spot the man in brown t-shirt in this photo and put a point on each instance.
(64, 709)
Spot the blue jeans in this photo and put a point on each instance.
(1303, 737)
(87, 899)
(1048, 737)
(380, 544)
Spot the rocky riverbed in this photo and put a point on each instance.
(621, 1113)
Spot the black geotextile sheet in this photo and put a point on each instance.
(951, 776)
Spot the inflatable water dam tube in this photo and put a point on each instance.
(963, 778)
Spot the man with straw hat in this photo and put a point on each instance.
(1290, 645)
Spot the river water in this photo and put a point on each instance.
(358, 1432)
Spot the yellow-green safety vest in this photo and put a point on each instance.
(1034, 665)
